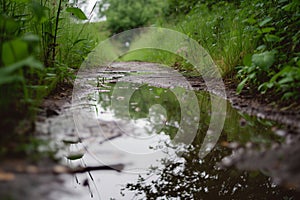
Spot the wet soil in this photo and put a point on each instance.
(281, 161)
(278, 161)
(262, 106)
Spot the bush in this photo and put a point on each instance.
(31, 63)
(129, 14)
(275, 64)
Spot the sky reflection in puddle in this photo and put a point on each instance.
(156, 167)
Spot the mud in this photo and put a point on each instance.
(55, 122)
(280, 161)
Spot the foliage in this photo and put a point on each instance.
(275, 64)
(181, 174)
(17, 63)
(255, 42)
(180, 7)
(218, 28)
(32, 57)
(42, 41)
(129, 14)
(78, 40)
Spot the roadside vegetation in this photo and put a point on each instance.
(42, 44)
(254, 43)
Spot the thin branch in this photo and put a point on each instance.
(116, 167)
(60, 169)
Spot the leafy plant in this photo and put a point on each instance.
(29, 64)
(277, 55)
(256, 67)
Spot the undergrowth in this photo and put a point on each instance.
(254, 43)
(42, 42)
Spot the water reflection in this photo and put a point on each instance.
(146, 124)
(194, 178)
(156, 108)
(181, 174)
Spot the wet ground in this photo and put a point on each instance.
(143, 116)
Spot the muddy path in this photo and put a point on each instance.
(159, 76)
(56, 124)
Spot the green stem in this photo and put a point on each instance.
(55, 32)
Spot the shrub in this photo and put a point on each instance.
(128, 14)
(275, 64)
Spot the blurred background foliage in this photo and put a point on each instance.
(129, 14)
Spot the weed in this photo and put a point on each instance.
(275, 64)
(32, 58)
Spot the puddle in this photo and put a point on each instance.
(140, 130)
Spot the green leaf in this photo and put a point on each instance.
(71, 141)
(10, 25)
(263, 87)
(30, 61)
(13, 51)
(51, 75)
(250, 20)
(252, 75)
(264, 60)
(287, 79)
(287, 7)
(272, 38)
(10, 79)
(261, 47)
(77, 12)
(267, 29)
(241, 85)
(282, 72)
(77, 41)
(265, 21)
(247, 60)
(288, 95)
(40, 12)
(75, 156)
(251, 69)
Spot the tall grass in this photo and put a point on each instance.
(39, 43)
(150, 55)
(77, 40)
(219, 29)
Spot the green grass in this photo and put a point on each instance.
(162, 57)
(220, 31)
(150, 55)
(78, 40)
(40, 43)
